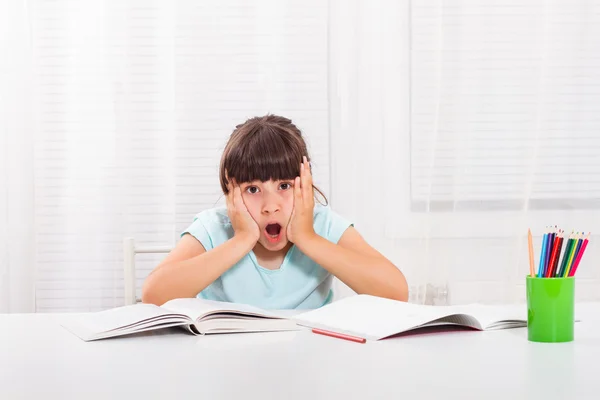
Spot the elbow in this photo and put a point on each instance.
(399, 290)
(400, 295)
(151, 294)
(393, 293)
(402, 290)
(148, 298)
(388, 283)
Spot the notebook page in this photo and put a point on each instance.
(489, 315)
(196, 308)
(457, 319)
(116, 318)
(370, 317)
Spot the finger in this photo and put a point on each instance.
(231, 187)
(307, 169)
(236, 193)
(297, 192)
(229, 195)
(291, 219)
(237, 198)
(228, 181)
(302, 178)
(306, 181)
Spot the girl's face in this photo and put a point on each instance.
(270, 203)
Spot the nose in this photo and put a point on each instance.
(270, 204)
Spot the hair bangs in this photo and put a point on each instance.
(266, 153)
(264, 148)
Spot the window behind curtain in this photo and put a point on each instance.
(135, 101)
(504, 105)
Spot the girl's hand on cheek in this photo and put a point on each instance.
(241, 220)
(301, 228)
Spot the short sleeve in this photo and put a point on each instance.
(330, 224)
(199, 229)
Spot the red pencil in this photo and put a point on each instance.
(555, 266)
(579, 255)
(339, 335)
(553, 256)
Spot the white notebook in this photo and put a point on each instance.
(197, 316)
(377, 318)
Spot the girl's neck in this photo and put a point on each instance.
(270, 259)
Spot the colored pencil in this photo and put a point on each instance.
(569, 255)
(549, 245)
(530, 242)
(554, 262)
(339, 335)
(542, 254)
(549, 248)
(563, 264)
(576, 247)
(552, 257)
(579, 255)
(555, 265)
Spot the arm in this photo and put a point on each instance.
(189, 268)
(357, 264)
(352, 260)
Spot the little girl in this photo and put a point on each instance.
(271, 246)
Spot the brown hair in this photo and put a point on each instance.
(263, 148)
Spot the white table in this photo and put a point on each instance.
(39, 359)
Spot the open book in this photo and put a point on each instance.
(197, 316)
(377, 318)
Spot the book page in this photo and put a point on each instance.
(118, 318)
(230, 325)
(495, 316)
(457, 319)
(371, 317)
(375, 318)
(196, 308)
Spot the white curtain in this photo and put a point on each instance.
(456, 126)
(442, 129)
(504, 124)
(503, 136)
(117, 116)
(17, 239)
(368, 102)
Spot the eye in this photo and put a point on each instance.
(285, 186)
(252, 189)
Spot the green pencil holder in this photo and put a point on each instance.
(550, 309)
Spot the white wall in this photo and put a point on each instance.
(130, 105)
(17, 225)
(472, 254)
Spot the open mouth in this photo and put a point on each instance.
(273, 232)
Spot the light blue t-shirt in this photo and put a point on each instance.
(298, 283)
